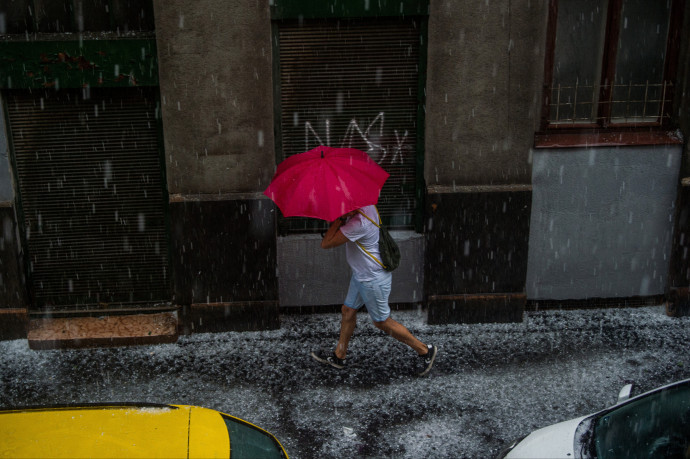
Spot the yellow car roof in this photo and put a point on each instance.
(114, 431)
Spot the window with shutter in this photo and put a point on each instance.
(91, 190)
(354, 83)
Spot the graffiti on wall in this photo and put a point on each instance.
(381, 147)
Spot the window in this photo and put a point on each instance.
(610, 63)
(92, 195)
(656, 425)
(248, 441)
(354, 83)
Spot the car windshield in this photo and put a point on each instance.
(655, 426)
(250, 442)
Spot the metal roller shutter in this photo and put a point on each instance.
(354, 83)
(90, 184)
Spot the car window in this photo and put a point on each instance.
(249, 442)
(655, 426)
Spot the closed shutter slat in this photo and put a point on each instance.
(89, 178)
(363, 70)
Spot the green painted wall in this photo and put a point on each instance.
(78, 63)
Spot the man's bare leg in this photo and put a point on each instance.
(348, 322)
(402, 334)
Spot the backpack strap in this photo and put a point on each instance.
(372, 221)
(378, 226)
(372, 256)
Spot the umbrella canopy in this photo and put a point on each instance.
(326, 182)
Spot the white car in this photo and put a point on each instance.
(655, 424)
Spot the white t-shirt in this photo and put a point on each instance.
(360, 229)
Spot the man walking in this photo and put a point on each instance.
(370, 285)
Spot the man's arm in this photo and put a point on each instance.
(334, 237)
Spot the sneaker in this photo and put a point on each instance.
(426, 361)
(328, 358)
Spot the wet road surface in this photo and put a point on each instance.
(491, 382)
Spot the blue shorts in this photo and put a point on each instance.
(372, 293)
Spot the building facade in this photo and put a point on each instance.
(537, 154)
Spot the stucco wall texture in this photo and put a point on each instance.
(216, 94)
(682, 92)
(485, 68)
(602, 221)
(311, 276)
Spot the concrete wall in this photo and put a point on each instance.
(602, 221)
(486, 62)
(217, 97)
(682, 91)
(485, 71)
(484, 67)
(215, 67)
(311, 276)
(679, 275)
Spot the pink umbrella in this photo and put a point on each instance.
(326, 183)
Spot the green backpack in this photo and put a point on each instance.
(388, 248)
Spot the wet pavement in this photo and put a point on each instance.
(491, 383)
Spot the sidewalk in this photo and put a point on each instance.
(491, 383)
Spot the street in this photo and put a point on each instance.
(491, 382)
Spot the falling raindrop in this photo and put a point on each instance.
(107, 172)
